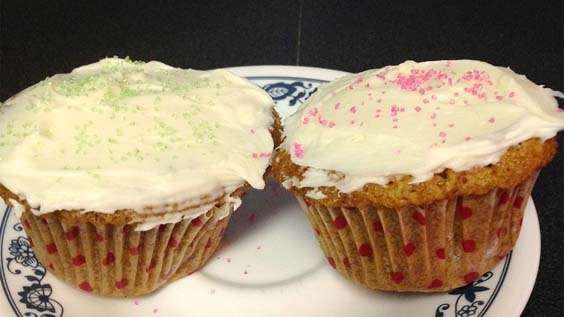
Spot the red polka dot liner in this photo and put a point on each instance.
(433, 248)
(119, 261)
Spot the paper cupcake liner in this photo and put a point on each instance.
(119, 261)
(432, 248)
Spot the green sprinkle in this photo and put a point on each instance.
(73, 85)
(95, 175)
(129, 92)
(131, 61)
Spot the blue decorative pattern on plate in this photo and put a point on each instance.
(296, 92)
(34, 297)
(269, 264)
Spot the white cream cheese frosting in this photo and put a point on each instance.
(415, 119)
(119, 134)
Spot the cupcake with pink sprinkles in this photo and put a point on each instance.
(415, 177)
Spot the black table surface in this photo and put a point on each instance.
(47, 37)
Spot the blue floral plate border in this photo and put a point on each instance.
(31, 291)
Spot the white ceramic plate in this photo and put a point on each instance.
(269, 263)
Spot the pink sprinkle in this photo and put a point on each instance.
(421, 91)
(228, 260)
(351, 122)
(331, 124)
(298, 151)
(255, 155)
(367, 85)
(313, 112)
(433, 116)
(467, 138)
(452, 101)
(358, 80)
(443, 141)
(305, 120)
(417, 108)
(512, 94)
(136, 302)
(395, 126)
(425, 100)
(352, 109)
(379, 100)
(395, 120)
(378, 110)
(394, 110)
(252, 131)
(434, 124)
(467, 76)
(155, 310)
(383, 92)
(252, 218)
(381, 76)
(442, 134)
(337, 105)
(245, 272)
(491, 120)
(456, 94)
(451, 125)
(377, 116)
(499, 98)
(434, 97)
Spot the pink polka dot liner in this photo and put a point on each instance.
(432, 248)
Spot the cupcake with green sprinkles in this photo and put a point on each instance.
(124, 174)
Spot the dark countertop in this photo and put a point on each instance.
(39, 39)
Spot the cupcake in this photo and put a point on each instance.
(125, 174)
(415, 177)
